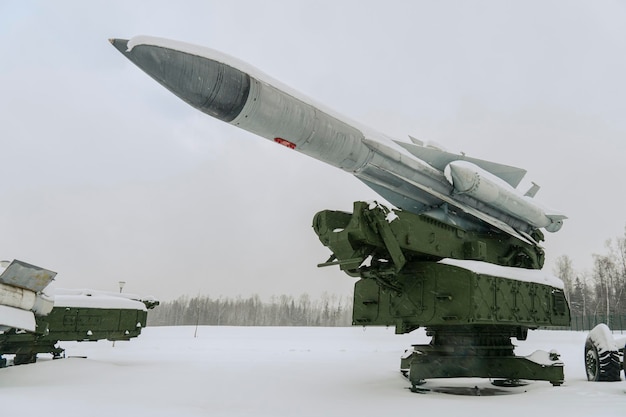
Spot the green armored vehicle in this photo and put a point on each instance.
(32, 322)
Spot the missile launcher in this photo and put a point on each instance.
(460, 254)
(32, 322)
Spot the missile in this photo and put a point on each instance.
(21, 296)
(234, 92)
(410, 176)
(467, 178)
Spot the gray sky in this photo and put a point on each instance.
(106, 176)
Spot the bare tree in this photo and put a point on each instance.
(565, 271)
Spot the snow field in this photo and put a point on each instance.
(283, 371)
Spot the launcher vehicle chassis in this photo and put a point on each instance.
(472, 292)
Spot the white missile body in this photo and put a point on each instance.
(21, 296)
(408, 175)
(467, 178)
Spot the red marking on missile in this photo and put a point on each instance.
(285, 142)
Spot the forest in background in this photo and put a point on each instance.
(596, 296)
(283, 310)
(599, 295)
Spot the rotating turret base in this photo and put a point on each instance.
(477, 354)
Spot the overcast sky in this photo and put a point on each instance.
(106, 176)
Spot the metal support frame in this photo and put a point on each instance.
(480, 355)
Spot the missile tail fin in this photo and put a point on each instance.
(416, 141)
(532, 191)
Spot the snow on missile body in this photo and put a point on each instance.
(408, 175)
(21, 295)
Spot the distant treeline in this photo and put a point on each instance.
(599, 295)
(594, 296)
(284, 310)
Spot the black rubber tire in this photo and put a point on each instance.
(602, 365)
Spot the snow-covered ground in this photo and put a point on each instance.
(269, 371)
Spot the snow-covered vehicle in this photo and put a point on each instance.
(604, 355)
(32, 322)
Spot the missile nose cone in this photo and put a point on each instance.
(462, 178)
(119, 44)
(210, 86)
